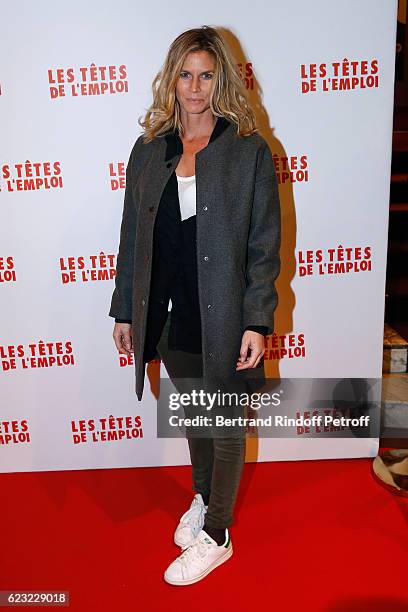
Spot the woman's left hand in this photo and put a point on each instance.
(255, 342)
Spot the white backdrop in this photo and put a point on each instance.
(322, 82)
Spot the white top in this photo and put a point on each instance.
(187, 196)
(187, 199)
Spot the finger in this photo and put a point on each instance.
(243, 351)
(118, 338)
(118, 341)
(255, 350)
(127, 342)
(241, 365)
(252, 360)
(259, 358)
(256, 354)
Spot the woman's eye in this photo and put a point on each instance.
(206, 75)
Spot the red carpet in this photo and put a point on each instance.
(308, 535)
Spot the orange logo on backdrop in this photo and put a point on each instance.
(32, 176)
(341, 260)
(14, 432)
(117, 172)
(7, 271)
(90, 80)
(339, 76)
(36, 355)
(291, 169)
(88, 268)
(106, 429)
(279, 346)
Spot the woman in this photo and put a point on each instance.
(200, 238)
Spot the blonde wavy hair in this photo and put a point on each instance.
(229, 98)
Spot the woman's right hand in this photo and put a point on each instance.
(122, 335)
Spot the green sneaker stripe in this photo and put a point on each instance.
(227, 544)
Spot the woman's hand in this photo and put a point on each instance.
(254, 341)
(122, 335)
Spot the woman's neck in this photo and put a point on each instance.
(197, 126)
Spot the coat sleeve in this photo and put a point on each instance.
(263, 259)
(121, 302)
(258, 328)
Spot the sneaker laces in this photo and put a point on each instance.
(194, 517)
(198, 549)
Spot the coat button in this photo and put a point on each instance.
(208, 306)
(205, 207)
(151, 208)
(143, 302)
(168, 164)
(211, 354)
(206, 258)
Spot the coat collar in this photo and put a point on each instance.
(174, 144)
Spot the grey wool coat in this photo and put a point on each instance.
(238, 221)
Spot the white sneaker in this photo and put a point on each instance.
(191, 523)
(198, 560)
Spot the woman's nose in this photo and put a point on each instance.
(195, 84)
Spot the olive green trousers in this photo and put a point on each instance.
(217, 462)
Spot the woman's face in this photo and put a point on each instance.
(196, 81)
